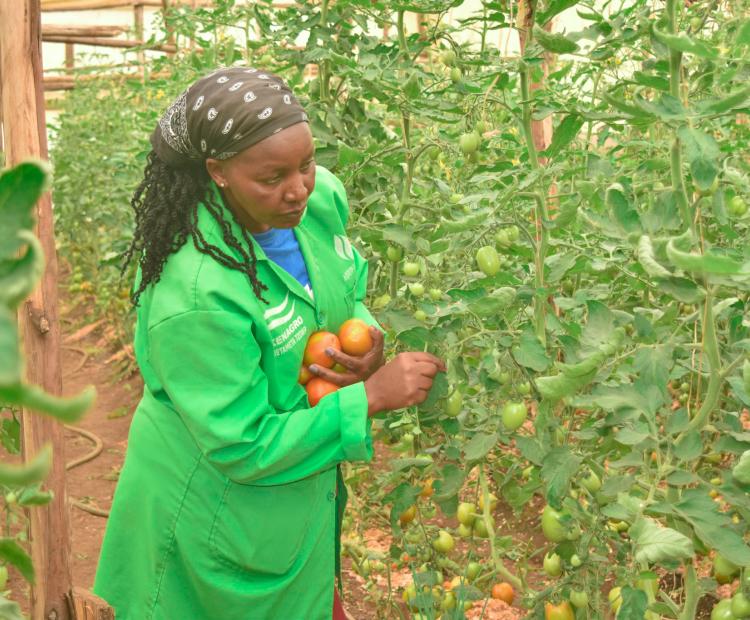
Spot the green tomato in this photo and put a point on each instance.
(502, 240)
(513, 232)
(524, 388)
(514, 415)
(472, 570)
(724, 570)
(579, 598)
(420, 315)
(448, 58)
(695, 24)
(456, 198)
(737, 207)
(453, 404)
(464, 531)
(591, 482)
(480, 127)
(740, 605)
(480, 529)
(435, 294)
(649, 585)
(11, 498)
(552, 565)
(553, 527)
(394, 253)
(444, 543)
(416, 288)
(488, 260)
(503, 378)
(410, 269)
(455, 75)
(466, 513)
(3, 577)
(575, 560)
(469, 142)
(723, 610)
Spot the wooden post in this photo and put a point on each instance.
(69, 57)
(25, 136)
(138, 25)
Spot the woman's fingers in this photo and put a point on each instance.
(338, 378)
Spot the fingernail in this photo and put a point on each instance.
(313, 368)
(329, 351)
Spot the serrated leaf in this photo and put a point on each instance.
(634, 604)
(479, 445)
(554, 7)
(556, 43)
(35, 470)
(564, 134)
(690, 447)
(702, 153)
(656, 544)
(685, 44)
(20, 189)
(558, 468)
(530, 353)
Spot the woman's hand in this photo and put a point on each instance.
(357, 368)
(404, 381)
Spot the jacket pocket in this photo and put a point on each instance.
(262, 529)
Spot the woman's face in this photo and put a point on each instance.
(268, 184)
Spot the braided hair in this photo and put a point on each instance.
(166, 214)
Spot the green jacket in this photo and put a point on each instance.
(226, 504)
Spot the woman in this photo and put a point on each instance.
(226, 504)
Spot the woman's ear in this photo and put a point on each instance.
(215, 169)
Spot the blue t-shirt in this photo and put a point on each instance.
(280, 246)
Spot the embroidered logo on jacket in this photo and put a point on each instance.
(343, 247)
(279, 316)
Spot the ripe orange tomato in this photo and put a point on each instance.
(304, 375)
(355, 337)
(317, 388)
(504, 592)
(561, 611)
(408, 515)
(427, 489)
(316, 347)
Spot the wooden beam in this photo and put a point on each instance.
(87, 5)
(110, 42)
(25, 136)
(52, 30)
(68, 82)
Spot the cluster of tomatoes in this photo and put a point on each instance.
(353, 338)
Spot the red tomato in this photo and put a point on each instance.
(504, 592)
(355, 337)
(316, 347)
(317, 388)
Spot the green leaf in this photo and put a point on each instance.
(18, 277)
(734, 100)
(555, 7)
(624, 212)
(634, 604)
(558, 468)
(479, 445)
(556, 43)
(66, 410)
(656, 544)
(403, 496)
(652, 81)
(438, 392)
(681, 289)
(565, 133)
(10, 358)
(715, 529)
(20, 189)
(741, 471)
(690, 447)
(667, 107)
(702, 152)
(11, 551)
(34, 471)
(645, 254)
(530, 353)
(685, 44)
(9, 610)
(705, 263)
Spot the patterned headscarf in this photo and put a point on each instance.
(224, 113)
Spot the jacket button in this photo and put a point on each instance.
(331, 496)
